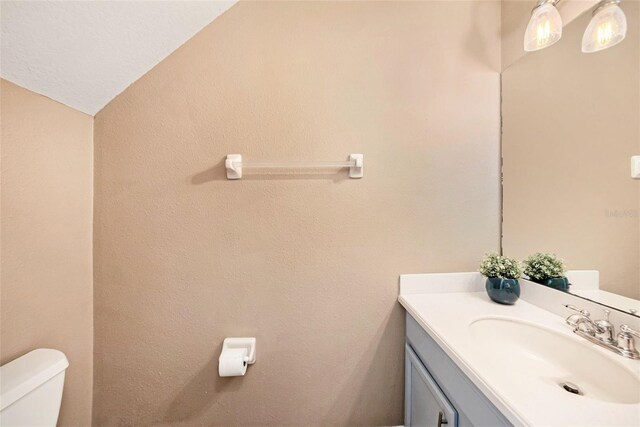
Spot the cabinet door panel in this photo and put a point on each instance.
(427, 406)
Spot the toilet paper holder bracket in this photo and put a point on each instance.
(248, 343)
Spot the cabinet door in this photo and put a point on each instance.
(425, 404)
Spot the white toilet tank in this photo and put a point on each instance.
(31, 388)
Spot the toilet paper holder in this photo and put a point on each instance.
(248, 343)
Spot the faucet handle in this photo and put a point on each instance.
(627, 329)
(626, 343)
(585, 313)
(608, 330)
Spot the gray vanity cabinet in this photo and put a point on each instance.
(437, 392)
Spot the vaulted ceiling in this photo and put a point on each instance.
(84, 53)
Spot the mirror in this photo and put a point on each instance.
(571, 123)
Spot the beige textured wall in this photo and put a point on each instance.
(308, 264)
(571, 124)
(46, 280)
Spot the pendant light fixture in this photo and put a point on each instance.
(607, 27)
(545, 26)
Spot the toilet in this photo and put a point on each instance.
(31, 388)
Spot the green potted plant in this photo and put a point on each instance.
(502, 278)
(546, 269)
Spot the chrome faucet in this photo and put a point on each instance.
(602, 332)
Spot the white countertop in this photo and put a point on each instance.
(446, 318)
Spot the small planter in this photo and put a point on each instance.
(503, 291)
(546, 269)
(560, 283)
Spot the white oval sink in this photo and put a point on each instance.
(534, 353)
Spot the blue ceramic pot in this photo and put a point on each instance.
(503, 291)
(561, 283)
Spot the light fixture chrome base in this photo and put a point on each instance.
(603, 4)
(543, 2)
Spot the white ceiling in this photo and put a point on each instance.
(84, 53)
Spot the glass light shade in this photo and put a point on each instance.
(544, 29)
(607, 28)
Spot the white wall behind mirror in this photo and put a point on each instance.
(571, 123)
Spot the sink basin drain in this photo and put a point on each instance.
(571, 388)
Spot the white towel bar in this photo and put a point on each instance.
(235, 165)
